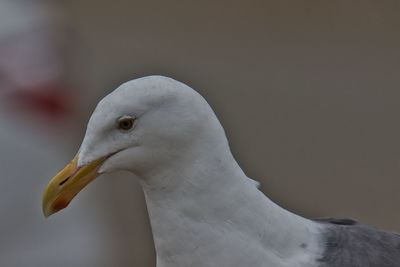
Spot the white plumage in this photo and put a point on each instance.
(204, 210)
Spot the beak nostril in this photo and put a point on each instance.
(63, 182)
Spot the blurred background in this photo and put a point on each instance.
(308, 92)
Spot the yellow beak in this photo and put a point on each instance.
(67, 183)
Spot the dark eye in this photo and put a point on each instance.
(125, 124)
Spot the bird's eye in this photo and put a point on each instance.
(125, 123)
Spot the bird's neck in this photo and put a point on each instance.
(208, 205)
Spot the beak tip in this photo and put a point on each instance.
(47, 212)
(46, 215)
(51, 207)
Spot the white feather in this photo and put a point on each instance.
(204, 210)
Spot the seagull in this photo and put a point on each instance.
(204, 211)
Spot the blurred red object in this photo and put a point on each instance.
(33, 63)
(50, 100)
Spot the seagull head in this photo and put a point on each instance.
(145, 126)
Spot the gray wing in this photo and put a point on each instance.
(349, 243)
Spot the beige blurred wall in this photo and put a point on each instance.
(308, 92)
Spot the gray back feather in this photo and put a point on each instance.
(349, 243)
